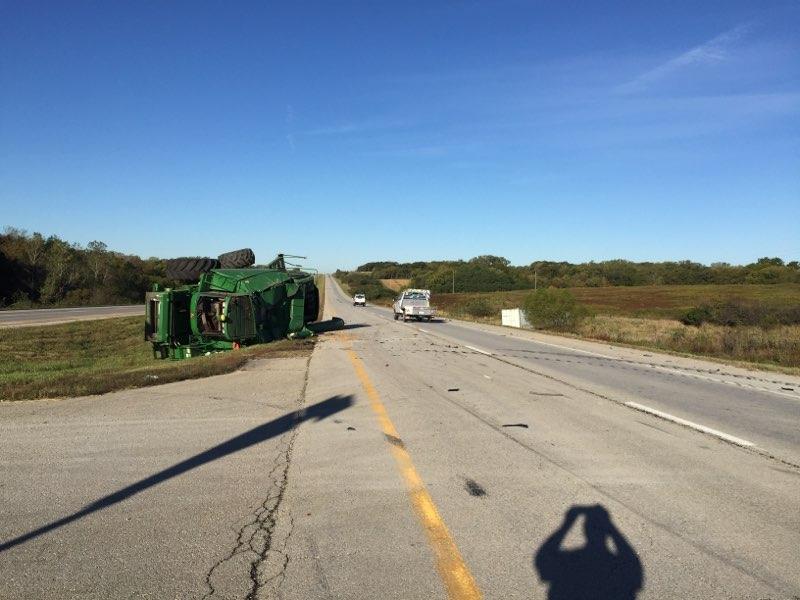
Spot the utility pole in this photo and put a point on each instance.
(454, 281)
(534, 279)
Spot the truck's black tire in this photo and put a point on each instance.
(238, 259)
(190, 269)
(311, 308)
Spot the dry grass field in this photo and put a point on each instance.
(776, 346)
(648, 316)
(660, 301)
(395, 284)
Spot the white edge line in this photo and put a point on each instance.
(749, 386)
(569, 348)
(666, 369)
(478, 350)
(721, 435)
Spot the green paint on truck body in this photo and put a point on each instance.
(230, 308)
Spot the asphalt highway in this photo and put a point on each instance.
(411, 460)
(760, 408)
(52, 316)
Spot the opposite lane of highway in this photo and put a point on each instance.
(52, 316)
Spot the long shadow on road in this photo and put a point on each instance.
(259, 434)
(592, 571)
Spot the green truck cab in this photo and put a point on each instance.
(231, 308)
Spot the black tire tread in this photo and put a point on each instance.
(237, 259)
(189, 268)
(311, 304)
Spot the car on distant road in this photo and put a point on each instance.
(359, 300)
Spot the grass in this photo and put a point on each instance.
(95, 357)
(345, 287)
(647, 316)
(395, 284)
(657, 301)
(375, 291)
(777, 346)
(319, 280)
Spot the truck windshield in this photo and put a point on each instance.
(209, 311)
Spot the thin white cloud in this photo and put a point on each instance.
(342, 129)
(375, 124)
(715, 50)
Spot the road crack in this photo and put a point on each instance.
(260, 545)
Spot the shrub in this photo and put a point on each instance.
(20, 300)
(478, 307)
(737, 313)
(554, 309)
(375, 291)
(366, 284)
(697, 316)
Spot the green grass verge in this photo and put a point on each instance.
(95, 357)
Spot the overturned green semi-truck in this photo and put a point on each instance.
(230, 306)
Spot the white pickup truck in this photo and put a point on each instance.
(414, 304)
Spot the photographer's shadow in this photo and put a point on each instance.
(594, 570)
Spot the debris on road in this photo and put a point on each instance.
(474, 488)
(395, 441)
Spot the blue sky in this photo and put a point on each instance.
(355, 131)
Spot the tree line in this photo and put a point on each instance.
(48, 271)
(495, 273)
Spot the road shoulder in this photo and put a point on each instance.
(165, 481)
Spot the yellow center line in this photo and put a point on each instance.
(457, 579)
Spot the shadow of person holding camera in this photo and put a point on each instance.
(594, 570)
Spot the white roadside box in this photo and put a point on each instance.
(514, 317)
